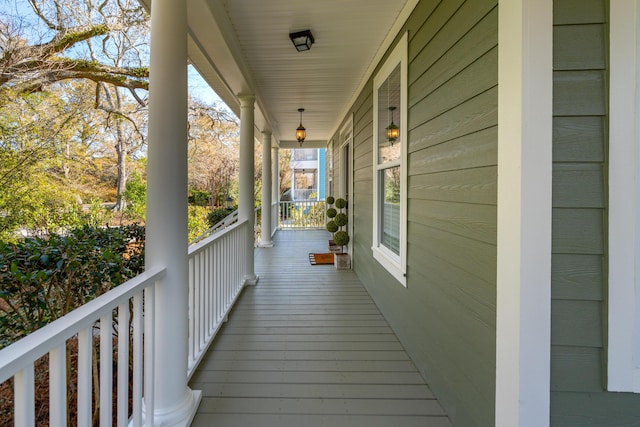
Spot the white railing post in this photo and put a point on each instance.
(246, 199)
(172, 402)
(265, 235)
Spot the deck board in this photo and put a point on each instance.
(308, 347)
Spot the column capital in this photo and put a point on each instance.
(266, 133)
(246, 99)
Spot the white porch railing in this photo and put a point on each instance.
(302, 214)
(216, 276)
(95, 320)
(217, 266)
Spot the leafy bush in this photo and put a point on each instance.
(198, 221)
(44, 279)
(135, 194)
(218, 215)
(199, 198)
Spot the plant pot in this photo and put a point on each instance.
(334, 248)
(342, 261)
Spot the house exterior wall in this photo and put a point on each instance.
(446, 315)
(579, 260)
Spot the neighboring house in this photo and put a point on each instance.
(308, 168)
(497, 231)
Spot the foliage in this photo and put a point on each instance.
(43, 279)
(199, 197)
(340, 219)
(198, 223)
(217, 215)
(341, 238)
(135, 195)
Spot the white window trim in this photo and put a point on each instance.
(396, 265)
(623, 358)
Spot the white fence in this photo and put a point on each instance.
(95, 323)
(304, 214)
(216, 276)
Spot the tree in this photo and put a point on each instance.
(100, 41)
(213, 150)
(56, 54)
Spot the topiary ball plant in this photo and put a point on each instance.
(331, 213)
(331, 200)
(341, 219)
(341, 203)
(341, 238)
(332, 227)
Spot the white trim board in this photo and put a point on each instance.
(523, 318)
(623, 358)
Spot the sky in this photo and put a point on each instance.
(20, 9)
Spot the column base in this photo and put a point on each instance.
(180, 415)
(266, 244)
(251, 280)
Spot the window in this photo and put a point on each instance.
(389, 163)
(623, 352)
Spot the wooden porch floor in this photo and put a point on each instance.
(308, 347)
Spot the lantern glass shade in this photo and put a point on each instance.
(393, 132)
(302, 40)
(301, 133)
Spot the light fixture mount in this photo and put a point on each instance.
(301, 132)
(302, 40)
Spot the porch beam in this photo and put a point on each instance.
(166, 224)
(265, 235)
(246, 199)
(523, 320)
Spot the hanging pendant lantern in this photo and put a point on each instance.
(301, 132)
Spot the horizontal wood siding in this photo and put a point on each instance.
(445, 318)
(578, 322)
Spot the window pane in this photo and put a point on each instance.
(390, 209)
(389, 111)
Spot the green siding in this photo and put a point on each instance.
(445, 317)
(578, 323)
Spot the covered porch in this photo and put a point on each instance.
(308, 346)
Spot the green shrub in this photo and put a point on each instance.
(44, 279)
(341, 203)
(332, 227)
(199, 197)
(330, 200)
(217, 215)
(341, 238)
(198, 221)
(331, 212)
(341, 219)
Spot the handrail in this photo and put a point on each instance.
(17, 360)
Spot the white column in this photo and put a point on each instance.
(523, 320)
(265, 240)
(166, 224)
(246, 198)
(275, 186)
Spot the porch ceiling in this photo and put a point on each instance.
(243, 46)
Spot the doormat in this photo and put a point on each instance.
(317, 259)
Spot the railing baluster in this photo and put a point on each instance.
(85, 338)
(106, 370)
(123, 364)
(24, 397)
(149, 359)
(137, 360)
(58, 386)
